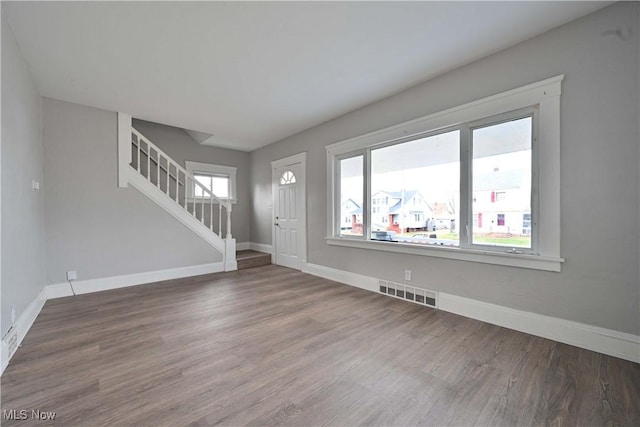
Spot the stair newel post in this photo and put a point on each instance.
(228, 220)
(230, 263)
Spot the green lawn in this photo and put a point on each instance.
(513, 241)
(516, 241)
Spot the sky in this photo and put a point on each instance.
(431, 165)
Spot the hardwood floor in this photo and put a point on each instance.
(273, 346)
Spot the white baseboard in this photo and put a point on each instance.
(261, 247)
(243, 246)
(23, 324)
(607, 341)
(614, 343)
(358, 280)
(59, 290)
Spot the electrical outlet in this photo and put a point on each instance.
(407, 275)
(72, 275)
(13, 315)
(35, 185)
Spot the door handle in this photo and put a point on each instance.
(276, 224)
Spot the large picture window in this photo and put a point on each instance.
(416, 193)
(462, 184)
(417, 184)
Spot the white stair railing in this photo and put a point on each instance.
(150, 170)
(179, 185)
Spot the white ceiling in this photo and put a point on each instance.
(251, 73)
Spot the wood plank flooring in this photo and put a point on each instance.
(273, 346)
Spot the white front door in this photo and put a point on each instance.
(289, 214)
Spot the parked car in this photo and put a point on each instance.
(426, 235)
(440, 224)
(383, 235)
(427, 239)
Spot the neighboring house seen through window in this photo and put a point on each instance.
(467, 178)
(417, 183)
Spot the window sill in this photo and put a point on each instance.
(535, 262)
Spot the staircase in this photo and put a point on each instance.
(146, 167)
(249, 259)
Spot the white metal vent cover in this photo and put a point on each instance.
(409, 293)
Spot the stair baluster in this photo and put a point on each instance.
(192, 190)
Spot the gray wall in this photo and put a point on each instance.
(599, 282)
(93, 226)
(23, 274)
(181, 147)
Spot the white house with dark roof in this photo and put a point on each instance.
(399, 210)
(350, 212)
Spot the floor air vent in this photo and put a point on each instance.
(409, 293)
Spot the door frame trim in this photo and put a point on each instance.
(300, 158)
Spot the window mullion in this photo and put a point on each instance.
(535, 183)
(367, 194)
(466, 195)
(337, 183)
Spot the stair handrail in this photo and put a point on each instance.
(212, 198)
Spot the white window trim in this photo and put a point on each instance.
(211, 169)
(543, 95)
(467, 189)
